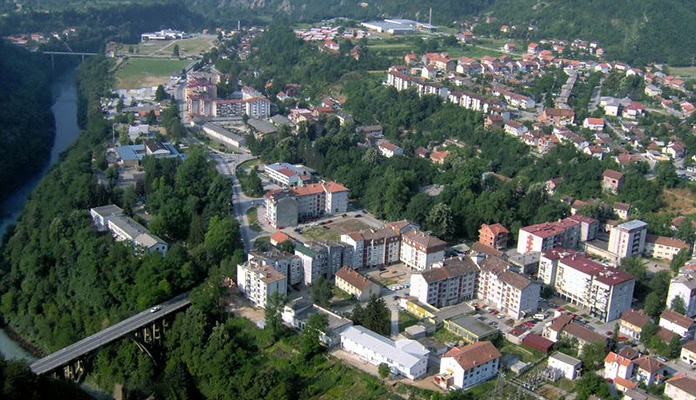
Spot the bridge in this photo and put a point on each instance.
(67, 53)
(70, 358)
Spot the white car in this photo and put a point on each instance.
(155, 309)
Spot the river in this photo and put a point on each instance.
(65, 113)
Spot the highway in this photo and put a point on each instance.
(67, 354)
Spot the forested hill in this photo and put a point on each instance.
(635, 31)
(26, 122)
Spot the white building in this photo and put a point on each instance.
(289, 265)
(124, 228)
(257, 282)
(101, 215)
(356, 284)
(541, 237)
(420, 250)
(663, 247)
(289, 206)
(569, 366)
(680, 387)
(223, 135)
(448, 282)
(287, 175)
(464, 367)
(628, 239)
(606, 292)
(677, 323)
(389, 149)
(405, 357)
(373, 248)
(508, 291)
(684, 286)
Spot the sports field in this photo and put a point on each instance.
(135, 73)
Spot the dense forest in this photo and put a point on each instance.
(17, 382)
(27, 126)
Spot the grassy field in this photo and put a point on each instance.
(187, 47)
(684, 72)
(406, 320)
(679, 200)
(146, 72)
(253, 219)
(334, 230)
(442, 335)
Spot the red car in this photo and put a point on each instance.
(609, 333)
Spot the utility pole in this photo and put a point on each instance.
(430, 20)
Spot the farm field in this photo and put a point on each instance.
(135, 73)
(684, 72)
(164, 48)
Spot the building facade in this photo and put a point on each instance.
(356, 284)
(540, 237)
(684, 286)
(257, 282)
(628, 239)
(448, 282)
(464, 367)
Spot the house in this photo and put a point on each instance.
(404, 356)
(649, 370)
(439, 157)
(388, 149)
(279, 237)
(493, 121)
(612, 180)
(298, 311)
(688, 352)
(680, 387)
(541, 237)
(495, 236)
(533, 48)
(622, 210)
(356, 284)
(569, 366)
(257, 282)
(663, 247)
(563, 326)
(448, 282)
(684, 286)
(619, 365)
(464, 367)
(557, 116)
(638, 394)
(677, 323)
(633, 110)
(421, 152)
(595, 124)
(628, 239)
(515, 128)
(632, 323)
(652, 90)
(552, 185)
(420, 250)
(470, 329)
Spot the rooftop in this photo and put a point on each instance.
(473, 355)
(684, 383)
(676, 318)
(354, 278)
(566, 359)
(405, 352)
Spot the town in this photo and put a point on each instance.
(600, 285)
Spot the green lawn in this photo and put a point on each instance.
(442, 335)
(248, 164)
(253, 217)
(406, 320)
(135, 73)
(525, 354)
(318, 233)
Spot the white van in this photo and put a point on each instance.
(540, 316)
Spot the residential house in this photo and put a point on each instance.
(688, 352)
(557, 116)
(632, 323)
(628, 239)
(612, 180)
(356, 284)
(684, 286)
(298, 311)
(404, 356)
(540, 237)
(569, 366)
(552, 185)
(464, 367)
(448, 282)
(622, 210)
(420, 250)
(388, 149)
(649, 370)
(563, 326)
(663, 247)
(604, 291)
(595, 124)
(439, 157)
(515, 128)
(619, 365)
(494, 236)
(652, 90)
(633, 110)
(680, 387)
(533, 48)
(278, 238)
(257, 282)
(677, 323)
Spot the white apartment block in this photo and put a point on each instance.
(448, 282)
(542, 237)
(420, 250)
(286, 175)
(321, 259)
(373, 248)
(289, 265)
(405, 357)
(684, 286)
(257, 107)
(606, 292)
(628, 239)
(257, 282)
(680, 387)
(464, 367)
(508, 291)
(288, 206)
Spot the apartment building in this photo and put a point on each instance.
(356, 284)
(287, 264)
(663, 247)
(285, 207)
(508, 291)
(588, 227)
(684, 286)
(126, 229)
(448, 282)
(606, 292)
(464, 367)
(373, 248)
(405, 357)
(540, 237)
(420, 250)
(628, 239)
(257, 282)
(287, 175)
(322, 259)
(495, 236)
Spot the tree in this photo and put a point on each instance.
(221, 239)
(678, 305)
(175, 51)
(654, 304)
(310, 339)
(592, 355)
(377, 316)
(321, 292)
(648, 331)
(273, 313)
(675, 346)
(440, 222)
(635, 267)
(666, 174)
(161, 94)
(287, 247)
(680, 259)
(151, 118)
(383, 370)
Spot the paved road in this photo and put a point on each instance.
(67, 354)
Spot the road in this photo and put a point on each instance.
(67, 354)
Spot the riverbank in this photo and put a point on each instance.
(32, 351)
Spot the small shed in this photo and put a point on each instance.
(538, 343)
